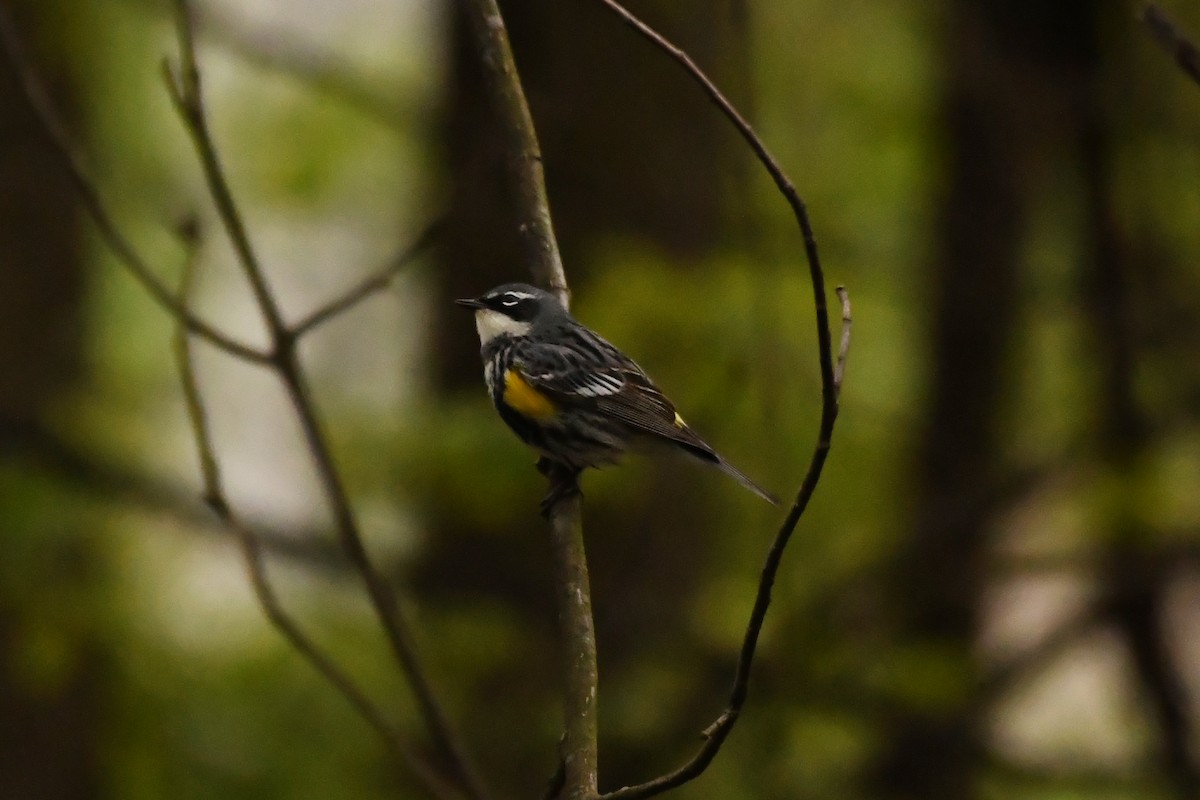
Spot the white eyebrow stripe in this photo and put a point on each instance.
(518, 295)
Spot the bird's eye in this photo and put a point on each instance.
(510, 300)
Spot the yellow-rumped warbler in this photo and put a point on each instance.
(568, 393)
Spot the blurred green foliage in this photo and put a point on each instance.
(199, 698)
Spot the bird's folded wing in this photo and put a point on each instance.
(618, 388)
(566, 374)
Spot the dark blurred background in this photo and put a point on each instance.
(996, 592)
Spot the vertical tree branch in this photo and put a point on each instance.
(579, 749)
(522, 149)
(579, 745)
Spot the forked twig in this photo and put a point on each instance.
(183, 87)
(376, 282)
(120, 244)
(217, 500)
(183, 84)
(715, 734)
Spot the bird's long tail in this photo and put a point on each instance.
(744, 480)
(684, 437)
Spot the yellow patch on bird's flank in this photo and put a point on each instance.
(524, 399)
(679, 423)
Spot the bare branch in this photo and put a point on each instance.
(578, 751)
(1182, 48)
(216, 499)
(185, 91)
(184, 87)
(716, 733)
(382, 598)
(579, 743)
(370, 285)
(59, 140)
(522, 148)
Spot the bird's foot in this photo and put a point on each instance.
(564, 484)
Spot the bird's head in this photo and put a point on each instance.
(511, 310)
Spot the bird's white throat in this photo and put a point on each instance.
(491, 324)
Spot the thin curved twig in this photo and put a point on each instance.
(252, 553)
(715, 734)
(120, 244)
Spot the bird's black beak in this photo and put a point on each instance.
(469, 302)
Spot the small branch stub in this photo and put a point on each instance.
(1182, 48)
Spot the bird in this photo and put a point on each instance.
(571, 395)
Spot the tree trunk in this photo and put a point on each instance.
(48, 720)
(1008, 67)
